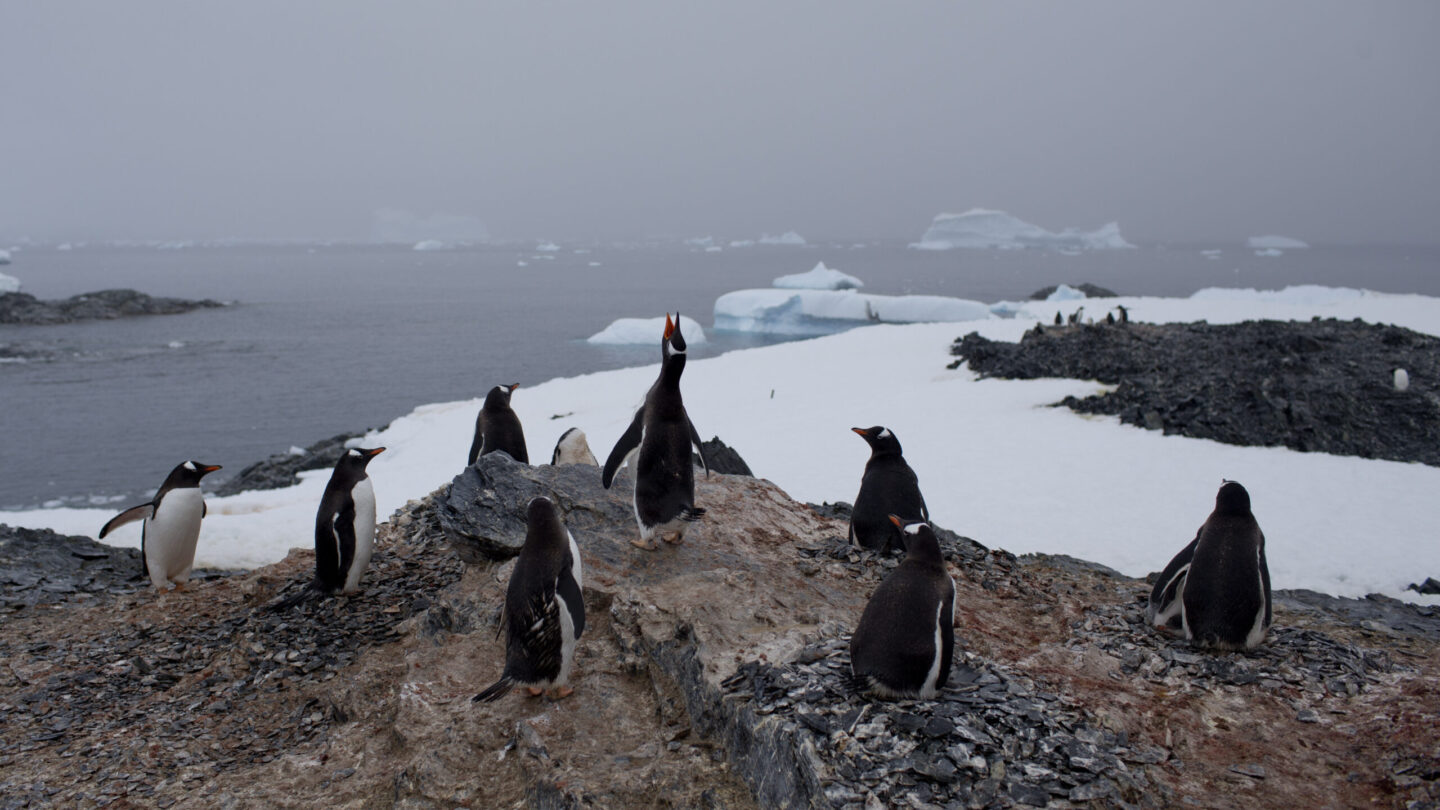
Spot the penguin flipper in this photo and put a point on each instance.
(629, 440)
(311, 590)
(1164, 604)
(130, 515)
(494, 691)
(699, 445)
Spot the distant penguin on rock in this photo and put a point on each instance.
(1217, 589)
(544, 612)
(888, 487)
(905, 640)
(498, 428)
(172, 525)
(1124, 313)
(573, 449)
(662, 434)
(1059, 319)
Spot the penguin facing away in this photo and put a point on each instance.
(661, 434)
(1217, 589)
(905, 640)
(572, 448)
(544, 612)
(498, 428)
(172, 525)
(888, 487)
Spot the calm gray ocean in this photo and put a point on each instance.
(325, 339)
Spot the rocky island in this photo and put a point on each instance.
(710, 675)
(27, 310)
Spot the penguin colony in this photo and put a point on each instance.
(1215, 591)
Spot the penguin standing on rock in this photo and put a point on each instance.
(1217, 589)
(498, 428)
(572, 448)
(172, 525)
(888, 487)
(662, 434)
(544, 613)
(906, 636)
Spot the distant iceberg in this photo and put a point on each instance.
(742, 243)
(4, 257)
(1273, 242)
(9, 284)
(1064, 292)
(820, 277)
(397, 226)
(547, 247)
(983, 228)
(430, 244)
(787, 238)
(643, 331)
(821, 312)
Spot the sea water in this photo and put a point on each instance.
(324, 339)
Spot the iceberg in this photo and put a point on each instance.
(547, 247)
(645, 331)
(787, 238)
(820, 277)
(821, 312)
(9, 284)
(741, 243)
(4, 257)
(1273, 242)
(430, 244)
(985, 228)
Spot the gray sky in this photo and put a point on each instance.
(1211, 121)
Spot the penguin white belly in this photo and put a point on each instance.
(364, 496)
(171, 534)
(567, 645)
(930, 688)
(1258, 628)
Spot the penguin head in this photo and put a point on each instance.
(673, 343)
(499, 396)
(1232, 498)
(920, 541)
(352, 462)
(880, 439)
(542, 520)
(188, 474)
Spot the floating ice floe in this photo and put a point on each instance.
(9, 284)
(4, 257)
(1273, 242)
(822, 312)
(430, 244)
(1064, 292)
(547, 247)
(644, 331)
(787, 238)
(1270, 252)
(820, 277)
(984, 228)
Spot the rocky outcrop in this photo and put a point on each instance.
(1320, 386)
(710, 675)
(723, 458)
(283, 469)
(1090, 290)
(25, 309)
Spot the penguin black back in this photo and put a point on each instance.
(498, 428)
(888, 486)
(345, 521)
(1226, 593)
(905, 640)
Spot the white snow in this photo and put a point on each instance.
(820, 277)
(646, 331)
(430, 244)
(1270, 252)
(1275, 242)
(787, 238)
(742, 243)
(9, 283)
(995, 461)
(986, 228)
(821, 312)
(1064, 292)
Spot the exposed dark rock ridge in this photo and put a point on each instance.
(283, 469)
(723, 458)
(26, 309)
(711, 674)
(1090, 290)
(1319, 386)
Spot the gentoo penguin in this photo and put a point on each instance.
(345, 524)
(1217, 589)
(662, 434)
(573, 449)
(1059, 321)
(1124, 313)
(172, 524)
(544, 613)
(906, 636)
(888, 487)
(1110, 318)
(1075, 317)
(498, 428)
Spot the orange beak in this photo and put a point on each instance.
(210, 468)
(669, 326)
(899, 524)
(377, 451)
(860, 431)
(513, 386)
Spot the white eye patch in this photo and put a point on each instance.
(353, 452)
(913, 528)
(885, 433)
(190, 465)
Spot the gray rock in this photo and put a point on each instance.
(283, 469)
(25, 309)
(723, 458)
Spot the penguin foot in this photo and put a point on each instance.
(562, 692)
(673, 537)
(534, 692)
(648, 545)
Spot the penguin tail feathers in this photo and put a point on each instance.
(690, 514)
(310, 591)
(494, 691)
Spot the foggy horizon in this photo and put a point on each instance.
(267, 122)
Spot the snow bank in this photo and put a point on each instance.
(984, 228)
(1273, 242)
(820, 277)
(787, 238)
(822, 312)
(9, 283)
(645, 331)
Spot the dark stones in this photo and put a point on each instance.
(283, 469)
(25, 309)
(1430, 586)
(1318, 386)
(723, 458)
